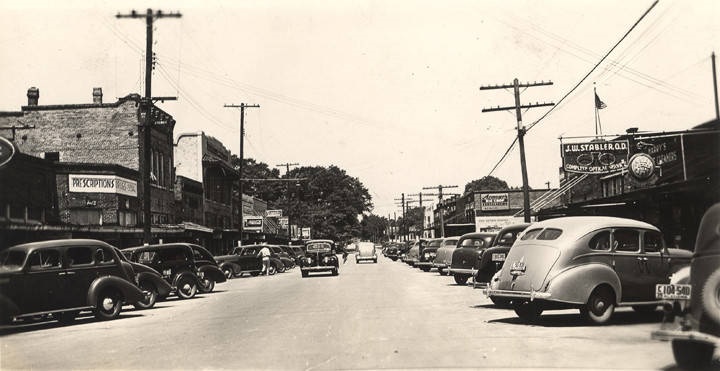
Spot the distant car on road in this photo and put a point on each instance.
(365, 251)
(693, 322)
(443, 256)
(469, 250)
(64, 277)
(320, 256)
(591, 263)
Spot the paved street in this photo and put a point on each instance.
(371, 316)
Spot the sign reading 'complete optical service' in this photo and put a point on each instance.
(102, 184)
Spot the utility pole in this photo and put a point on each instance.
(242, 107)
(715, 88)
(520, 130)
(146, 105)
(404, 207)
(440, 206)
(287, 195)
(420, 196)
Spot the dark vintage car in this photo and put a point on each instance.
(320, 256)
(392, 251)
(247, 259)
(208, 269)
(63, 278)
(426, 254)
(443, 255)
(287, 261)
(148, 280)
(493, 258)
(294, 252)
(692, 318)
(591, 263)
(469, 249)
(174, 262)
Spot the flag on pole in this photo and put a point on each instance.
(598, 103)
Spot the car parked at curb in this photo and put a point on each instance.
(443, 255)
(692, 317)
(492, 259)
(365, 251)
(594, 264)
(208, 269)
(63, 278)
(148, 280)
(246, 260)
(320, 256)
(174, 262)
(413, 254)
(427, 255)
(470, 248)
(280, 253)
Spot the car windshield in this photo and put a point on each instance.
(434, 243)
(12, 259)
(319, 246)
(473, 242)
(449, 242)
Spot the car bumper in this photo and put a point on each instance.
(461, 271)
(314, 269)
(366, 258)
(423, 264)
(532, 295)
(439, 265)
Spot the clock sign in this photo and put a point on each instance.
(7, 151)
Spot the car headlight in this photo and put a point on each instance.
(308, 260)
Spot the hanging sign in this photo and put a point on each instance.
(599, 157)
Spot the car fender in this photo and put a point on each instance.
(184, 274)
(8, 308)
(213, 272)
(131, 293)
(233, 267)
(575, 284)
(163, 288)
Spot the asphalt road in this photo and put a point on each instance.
(372, 316)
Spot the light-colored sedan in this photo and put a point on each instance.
(443, 256)
(365, 251)
(591, 263)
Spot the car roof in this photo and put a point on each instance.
(574, 227)
(158, 246)
(478, 235)
(59, 243)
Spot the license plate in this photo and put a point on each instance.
(498, 257)
(673, 292)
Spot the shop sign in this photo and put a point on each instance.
(7, 151)
(595, 157)
(253, 223)
(102, 184)
(284, 222)
(641, 166)
(496, 223)
(305, 233)
(494, 201)
(273, 213)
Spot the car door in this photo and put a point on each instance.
(628, 263)
(43, 289)
(657, 264)
(249, 260)
(79, 274)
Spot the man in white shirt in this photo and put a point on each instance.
(265, 254)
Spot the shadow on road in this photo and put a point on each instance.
(575, 320)
(49, 323)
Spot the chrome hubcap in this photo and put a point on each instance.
(108, 304)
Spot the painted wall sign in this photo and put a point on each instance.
(7, 151)
(102, 184)
(253, 223)
(595, 157)
(494, 201)
(273, 213)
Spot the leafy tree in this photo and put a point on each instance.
(268, 191)
(413, 220)
(486, 183)
(373, 227)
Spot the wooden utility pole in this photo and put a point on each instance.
(715, 88)
(146, 105)
(420, 197)
(440, 205)
(287, 195)
(242, 107)
(520, 131)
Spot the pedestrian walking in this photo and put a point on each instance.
(265, 255)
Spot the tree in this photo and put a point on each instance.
(413, 220)
(268, 191)
(486, 183)
(373, 228)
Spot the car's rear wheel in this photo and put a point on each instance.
(271, 270)
(461, 279)
(711, 297)
(692, 355)
(186, 288)
(151, 298)
(528, 311)
(280, 268)
(228, 272)
(207, 285)
(600, 306)
(108, 304)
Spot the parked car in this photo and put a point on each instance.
(208, 269)
(174, 262)
(246, 259)
(591, 263)
(287, 261)
(493, 258)
(320, 256)
(403, 250)
(63, 278)
(427, 255)
(443, 255)
(392, 252)
(292, 253)
(413, 254)
(469, 249)
(692, 321)
(148, 280)
(365, 251)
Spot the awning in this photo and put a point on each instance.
(195, 227)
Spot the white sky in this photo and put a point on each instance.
(387, 90)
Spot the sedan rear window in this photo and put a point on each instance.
(550, 234)
(473, 242)
(533, 233)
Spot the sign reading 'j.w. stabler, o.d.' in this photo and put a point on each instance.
(102, 184)
(595, 157)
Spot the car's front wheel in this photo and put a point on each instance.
(108, 305)
(151, 299)
(228, 272)
(711, 296)
(207, 285)
(600, 306)
(692, 355)
(186, 288)
(281, 268)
